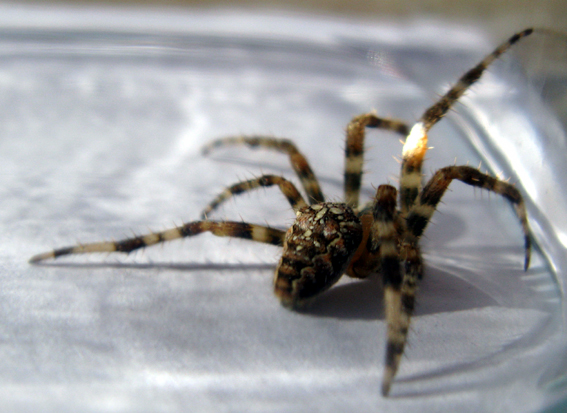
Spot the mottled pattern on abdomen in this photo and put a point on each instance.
(317, 250)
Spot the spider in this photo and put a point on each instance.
(329, 239)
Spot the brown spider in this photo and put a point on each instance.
(329, 239)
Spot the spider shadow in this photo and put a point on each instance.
(162, 265)
(438, 292)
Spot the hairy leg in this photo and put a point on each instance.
(288, 189)
(222, 229)
(354, 150)
(415, 146)
(420, 214)
(399, 288)
(401, 300)
(297, 159)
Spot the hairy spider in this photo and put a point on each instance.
(329, 239)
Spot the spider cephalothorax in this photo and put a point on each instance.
(329, 239)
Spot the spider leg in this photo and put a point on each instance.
(439, 109)
(222, 229)
(400, 303)
(287, 188)
(420, 214)
(354, 150)
(297, 159)
(415, 146)
(400, 281)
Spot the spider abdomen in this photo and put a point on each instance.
(317, 250)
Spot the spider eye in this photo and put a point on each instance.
(317, 250)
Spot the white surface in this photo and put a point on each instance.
(100, 131)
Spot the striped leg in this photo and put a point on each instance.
(354, 151)
(399, 299)
(287, 188)
(385, 240)
(423, 210)
(380, 229)
(222, 229)
(298, 161)
(439, 109)
(415, 146)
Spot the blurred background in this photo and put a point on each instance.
(544, 58)
(498, 16)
